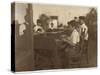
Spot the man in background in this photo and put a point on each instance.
(84, 37)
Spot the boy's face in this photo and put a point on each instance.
(77, 19)
(27, 18)
(71, 27)
(81, 21)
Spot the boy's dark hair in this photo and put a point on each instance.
(38, 21)
(75, 17)
(72, 23)
(82, 17)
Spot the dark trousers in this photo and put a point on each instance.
(84, 51)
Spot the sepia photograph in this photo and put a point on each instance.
(48, 36)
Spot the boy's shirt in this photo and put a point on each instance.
(75, 37)
(22, 28)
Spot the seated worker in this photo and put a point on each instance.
(71, 43)
(74, 37)
(38, 28)
(69, 46)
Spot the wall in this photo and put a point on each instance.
(65, 13)
(20, 12)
